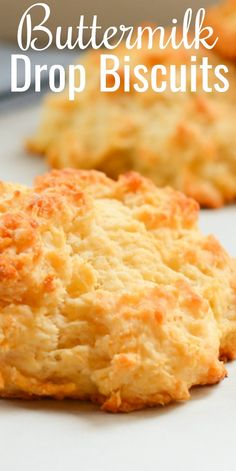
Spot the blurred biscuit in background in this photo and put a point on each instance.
(185, 139)
(222, 18)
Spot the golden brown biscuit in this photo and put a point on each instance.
(186, 140)
(109, 292)
(222, 17)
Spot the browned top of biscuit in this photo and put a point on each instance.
(109, 291)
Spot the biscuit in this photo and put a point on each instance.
(185, 140)
(109, 292)
(222, 18)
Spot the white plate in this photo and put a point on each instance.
(47, 435)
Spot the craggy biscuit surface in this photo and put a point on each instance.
(109, 292)
(222, 17)
(185, 140)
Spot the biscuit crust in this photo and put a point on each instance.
(109, 292)
(185, 140)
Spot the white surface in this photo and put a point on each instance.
(43, 436)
